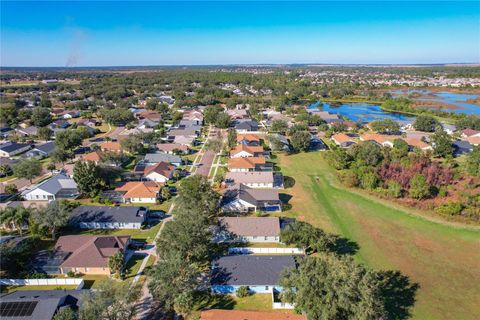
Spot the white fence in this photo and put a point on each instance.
(247, 250)
(43, 282)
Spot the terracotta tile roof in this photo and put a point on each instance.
(162, 168)
(417, 143)
(342, 137)
(250, 149)
(94, 156)
(217, 314)
(111, 146)
(90, 251)
(470, 132)
(247, 137)
(378, 138)
(140, 189)
(474, 140)
(245, 163)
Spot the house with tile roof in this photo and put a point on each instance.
(139, 191)
(380, 139)
(249, 139)
(248, 164)
(343, 140)
(242, 151)
(89, 254)
(113, 146)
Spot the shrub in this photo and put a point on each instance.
(394, 189)
(242, 292)
(450, 208)
(71, 274)
(349, 178)
(369, 181)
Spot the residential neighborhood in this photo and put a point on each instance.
(237, 191)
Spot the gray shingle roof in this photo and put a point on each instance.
(250, 269)
(12, 146)
(58, 185)
(252, 226)
(162, 157)
(45, 302)
(106, 214)
(46, 148)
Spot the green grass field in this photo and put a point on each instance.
(442, 258)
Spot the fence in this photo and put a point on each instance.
(43, 282)
(247, 250)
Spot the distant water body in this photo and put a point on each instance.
(457, 99)
(359, 112)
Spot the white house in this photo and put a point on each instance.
(160, 172)
(105, 217)
(57, 187)
(249, 229)
(10, 149)
(139, 191)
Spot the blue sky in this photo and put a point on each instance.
(110, 33)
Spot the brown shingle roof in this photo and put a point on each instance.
(94, 156)
(217, 314)
(252, 226)
(90, 251)
(169, 147)
(341, 138)
(250, 177)
(162, 168)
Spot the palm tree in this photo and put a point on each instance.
(56, 215)
(116, 263)
(6, 217)
(20, 218)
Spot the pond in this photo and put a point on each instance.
(359, 112)
(457, 100)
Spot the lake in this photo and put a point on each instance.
(457, 99)
(359, 112)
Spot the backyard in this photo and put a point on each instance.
(441, 257)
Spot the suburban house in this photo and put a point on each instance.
(474, 140)
(59, 124)
(245, 199)
(172, 148)
(10, 149)
(41, 151)
(70, 114)
(461, 147)
(193, 115)
(28, 131)
(248, 164)
(343, 140)
(160, 172)
(57, 187)
(382, 140)
(249, 229)
(253, 179)
(249, 139)
(153, 158)
(89, 254)
(467, 133)
(221, 314)
(105, 217)
(242, 151)
(237, 114)
(39, 304)
(329, 118)
(113, 146)
(260, 273)
(418, 143)
(94, 156)
(139, 191)
(185, 140)
(243, 126)
(279, 139)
